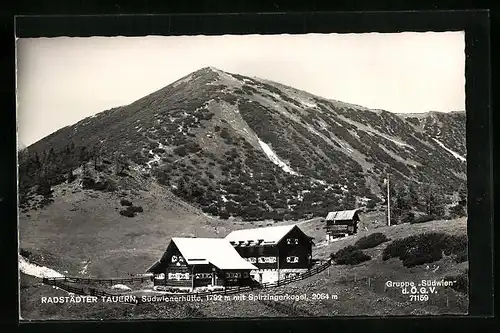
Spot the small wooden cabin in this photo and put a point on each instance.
(274, 250)
(190, 263)
(341, 223)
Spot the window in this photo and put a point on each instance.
(178, 260)
(245, 275)
(292, 241)
(203, 276)
(233, 275)
(178, 276)
(292, 259)
(266, 260)
(251, 260)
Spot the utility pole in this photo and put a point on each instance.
(388, 202)
(278, 262)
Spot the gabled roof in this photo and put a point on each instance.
(216, 251)
(341, 215)
(153, 267)
(260, 236)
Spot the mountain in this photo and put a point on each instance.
(232, 145)
(447, 128)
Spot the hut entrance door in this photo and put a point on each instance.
(260, 277)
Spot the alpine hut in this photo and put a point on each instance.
(341, 223)
(192, 263)
(277, 252)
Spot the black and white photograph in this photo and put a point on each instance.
(242, 176)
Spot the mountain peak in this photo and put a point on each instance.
(209, 69)
(235, 146)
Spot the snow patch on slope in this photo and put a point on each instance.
(156, 159)
(307, 103)
(455, 154)
(399, 143)
(84, 269)
(34, 270)
(275, 159)
(120, 287)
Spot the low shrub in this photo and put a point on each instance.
(137, 209)
(125, 202)
(44, 189)
(25, 253)
(45, 202)
(127, 213)
(407, 217)
(131, 211)
(371, 240)
(350, 255)
(100, 167)
(426, 248)
(181, 151)
(371, 204)
(461, 282)
(458, 210)
(422, 219)
(158, 150)
(71, 178)
(462, 257)
(224, 215)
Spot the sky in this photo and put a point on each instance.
(62, 80)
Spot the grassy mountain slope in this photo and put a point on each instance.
(449, 128)
(84, 227)
(214, 152)
(357, 295)
(237, 146)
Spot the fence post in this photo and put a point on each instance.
(369, 282)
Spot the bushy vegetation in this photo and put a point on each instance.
(252, 186)
(127, 213)
(125, 202)
(371, 240)
(136, 209)
(55, 166)
(461, 282)
(350, 255)
(423, 219)
(107, 185)
(131, 211)
(426, 248)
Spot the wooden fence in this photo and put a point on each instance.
(61, 282)
(102, 281)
